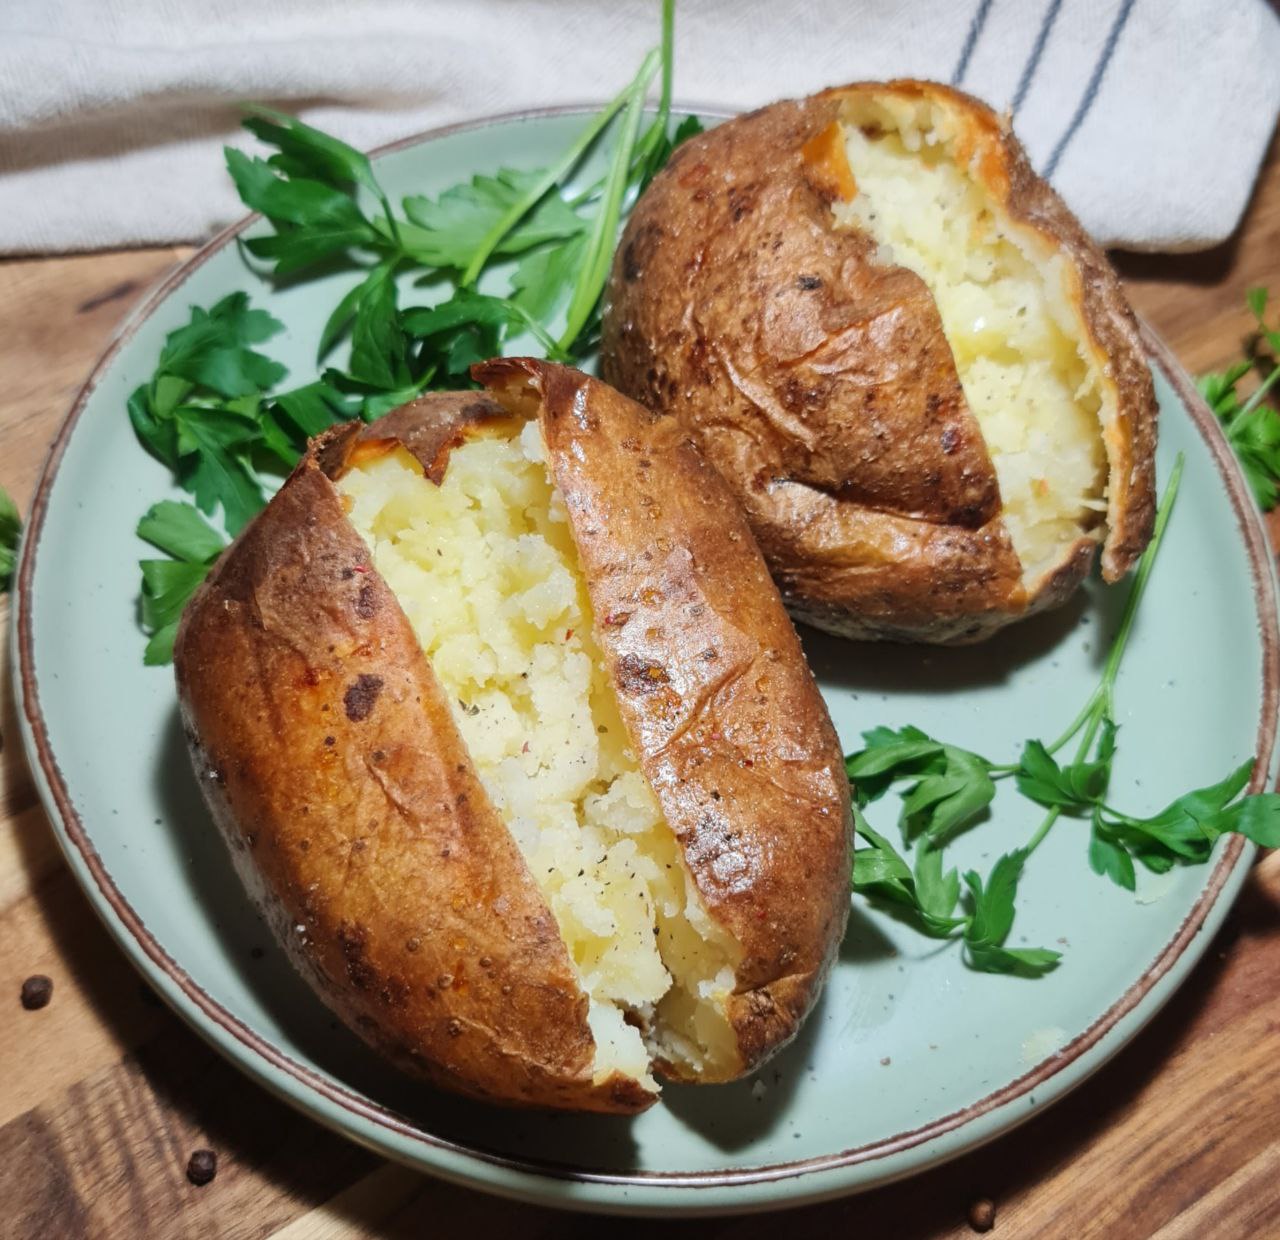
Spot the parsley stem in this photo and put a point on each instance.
(1034, 842)
(1100, 705)
(1262, 389)
(1101, 701)
(658, 129)
(1145, 566)
(391, 223)
(1092, 723)
(604, 231)
(1078, 722)
(551, 176)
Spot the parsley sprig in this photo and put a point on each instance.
(1252, 427)
(216, 412)
(10, 532)
(945, 789)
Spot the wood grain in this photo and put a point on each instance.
(104, 1094)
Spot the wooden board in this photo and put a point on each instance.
(104, 1094)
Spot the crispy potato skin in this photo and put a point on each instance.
(820, 383)
(328, 754)
(713, 689)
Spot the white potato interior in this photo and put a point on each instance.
(1005, 296)
(486, 570)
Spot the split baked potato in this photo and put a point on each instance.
(916, 371)
(513, 742)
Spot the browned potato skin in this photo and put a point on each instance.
(712, 685)
(820, 383)
(336, 773)
(331, 761)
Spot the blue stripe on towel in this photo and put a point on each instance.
(1091, 91)
(1033, 61)
(971, 41)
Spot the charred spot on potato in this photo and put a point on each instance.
(358, 701)
(631, 266)
(353, 940)
(639, 675)
(950, 439)
(809, 283)
(740, 200)
(366, 604)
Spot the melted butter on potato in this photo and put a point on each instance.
(487, 573)
(1006, 302)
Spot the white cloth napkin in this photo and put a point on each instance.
(1150, 116)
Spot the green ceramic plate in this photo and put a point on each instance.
(908, 1060)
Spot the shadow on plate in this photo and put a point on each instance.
(732, 1117)
(887, 667)
(265, 991)
(864, 942)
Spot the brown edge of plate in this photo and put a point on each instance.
(135, 929)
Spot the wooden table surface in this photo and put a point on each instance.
(104, 1093)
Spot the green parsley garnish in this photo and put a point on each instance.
(10, 531)
(1252, 427)
(214, 410)
(945, 789)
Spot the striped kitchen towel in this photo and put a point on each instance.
(1150, 116)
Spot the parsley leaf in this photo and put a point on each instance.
(1070, 787)
(544, 276)
(451, 227)
(880, 870)
(313, 408)
(927, 895)
(1108, 858)
(379, 346)
(211, 412)
(311, 151)
(1252, 427)
(10, 532)
(201, 414)
(182, 533)
(212, 351)
(213, 443)
(937, 893)
(951, 787)
(992, 920)
(1187, 829)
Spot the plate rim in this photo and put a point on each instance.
(259, 1057)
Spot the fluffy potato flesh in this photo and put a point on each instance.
(487, 573)
(1005, 298)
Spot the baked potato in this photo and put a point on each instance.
(916, 371)
(515, 746)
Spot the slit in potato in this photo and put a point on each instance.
(1007, 298)
(485, 568)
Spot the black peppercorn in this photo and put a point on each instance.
(202, 1166)
(36, 992)
(982, 1214)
